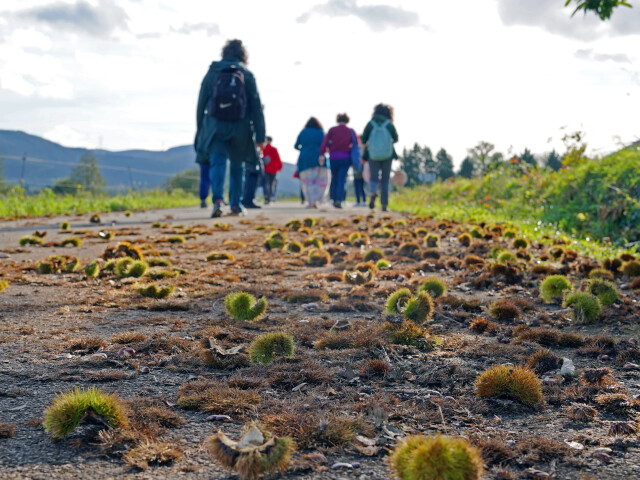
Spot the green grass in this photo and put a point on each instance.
(16, 204)
(586, 203)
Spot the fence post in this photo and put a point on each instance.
(24, 163)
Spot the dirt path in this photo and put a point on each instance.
(356, 381)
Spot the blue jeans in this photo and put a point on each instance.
(205, 181)
(339, 171)
(217, 172)
(358, 184)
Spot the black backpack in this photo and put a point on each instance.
(229, 100)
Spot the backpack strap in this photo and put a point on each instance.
(385, 123)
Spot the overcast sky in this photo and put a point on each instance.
(123, 74)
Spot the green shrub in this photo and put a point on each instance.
(72, 408)
(243, 306)
(270, 345)
(432, 240)
(29, 240)
(373, 255)
(92, 270)
(383, 264)
(631, 268)
(434, 286)
(519, 243)
(73, 241)
(506, 256)
(606, 291)
(436, 458)
(554, 287)
(585, 307)
(154, 291)
(519, 382)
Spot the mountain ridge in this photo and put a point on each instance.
(48, 161)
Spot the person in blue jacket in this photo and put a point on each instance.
(311, 169)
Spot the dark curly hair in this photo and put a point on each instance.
(235, 48)
(383, 110)
(342, 118)
(313, 122)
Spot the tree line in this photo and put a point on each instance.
(421, 166)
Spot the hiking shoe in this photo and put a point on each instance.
(337, 204)
(236, 211)
(384, 208)
(217, 210)
(372, 202)
(249, 205)
(203, 204)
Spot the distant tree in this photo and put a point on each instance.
(481, 155)
(553, 161)
(602, 8)
(188, 181)
(65, 186)
(467, 168)
(576, 148)
(528, 158)
(87, 173)
(444, 164)
(415, 162)
(85, 176)
(496, 160)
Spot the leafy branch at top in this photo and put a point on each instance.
(603, 8)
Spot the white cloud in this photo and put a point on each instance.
(377, 17)
(67, 136)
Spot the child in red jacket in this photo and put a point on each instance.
(272, 165)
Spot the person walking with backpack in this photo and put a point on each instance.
(272, 165)
(379, 136)
(230, 123)
(339, 141)
(311, 168)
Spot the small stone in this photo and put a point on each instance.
(400, 278)
(144, 370)
(341, 465)
(568, 368)
(574, 445)
(126, 352)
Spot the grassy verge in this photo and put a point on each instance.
(15, 204)
(595, 204)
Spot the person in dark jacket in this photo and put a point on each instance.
(311, 168)
(380, 167)
(272, 165)
(338, 141)
(237, 140)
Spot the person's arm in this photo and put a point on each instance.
(298, 145)
(276, 157)
(366, 133)
(203, 98)
(256, 115)
(394, 133)
(325, 143)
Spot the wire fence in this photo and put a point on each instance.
(42, 183)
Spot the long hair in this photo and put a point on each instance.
(383, 110)
(235, 48)
(313, 122)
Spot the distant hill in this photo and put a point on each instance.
(149, 169)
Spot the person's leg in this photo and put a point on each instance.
(359, 186)
(271, 179)
(374, 168)
(341, 180)
(235, 185)
(205, 183)
(334, 181)
(217, 172)
(384, 188)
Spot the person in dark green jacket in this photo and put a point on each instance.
(379, 136)
(237, 140)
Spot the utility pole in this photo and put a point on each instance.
(24, 163)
